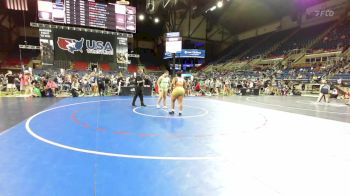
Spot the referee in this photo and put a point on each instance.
(139, 82)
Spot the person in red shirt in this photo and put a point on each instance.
(51, 87)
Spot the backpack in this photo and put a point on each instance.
(325, 89)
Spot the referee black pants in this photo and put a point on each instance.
(138, 93)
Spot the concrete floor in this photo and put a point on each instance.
(335, 110)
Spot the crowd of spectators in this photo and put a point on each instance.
(44, 83)
(50, 84)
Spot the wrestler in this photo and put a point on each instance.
(177, 94)
(163, 86)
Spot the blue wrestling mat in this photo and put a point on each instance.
(103, 146)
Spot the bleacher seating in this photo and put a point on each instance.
(152, 68)
(105, 67)
(14, 58)
(80, 66)
(132, 68)
(301, 39)
(240, 47)
(343, 76)
(339, 37)
(265, 46)
(260, 45)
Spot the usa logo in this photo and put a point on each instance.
(71, 45)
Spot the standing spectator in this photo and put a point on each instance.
(11, 87)
(324, 92)
(75, 87)
(27, 82)
(101, 84)
(148, 82)
(93, 82)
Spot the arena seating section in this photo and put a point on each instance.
(339, 37)
(286, 41)
(13, 58)
(301, 39)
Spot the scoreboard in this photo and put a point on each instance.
(92, 14)
(88, 13)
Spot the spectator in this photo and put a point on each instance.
(11, 87)
(27, 83)
(334, 93)
(324, 92)
(101, 84)
(50, 87)
(75, 87)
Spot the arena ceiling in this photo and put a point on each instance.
(241, 15)
(236, 15)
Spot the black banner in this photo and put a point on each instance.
(47, 46)
(122, 50)
(84, 46)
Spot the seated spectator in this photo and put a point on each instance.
(50, 87)
(198, 87)
(334, 93)
(36, 89)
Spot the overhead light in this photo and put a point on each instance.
(156, 20)
(213, 8)
(141, 17)
(219, 4)
(123, 2)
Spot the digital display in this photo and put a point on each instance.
(45, 10)
(187, 53)
(89, 14)
(173, 34)
(173, 44)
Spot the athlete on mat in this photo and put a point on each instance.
(163, 87)
(177, 94)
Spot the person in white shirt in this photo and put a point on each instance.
(334, 93)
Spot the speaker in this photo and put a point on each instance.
(150, 6)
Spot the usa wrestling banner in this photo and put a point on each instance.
(84, 46)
